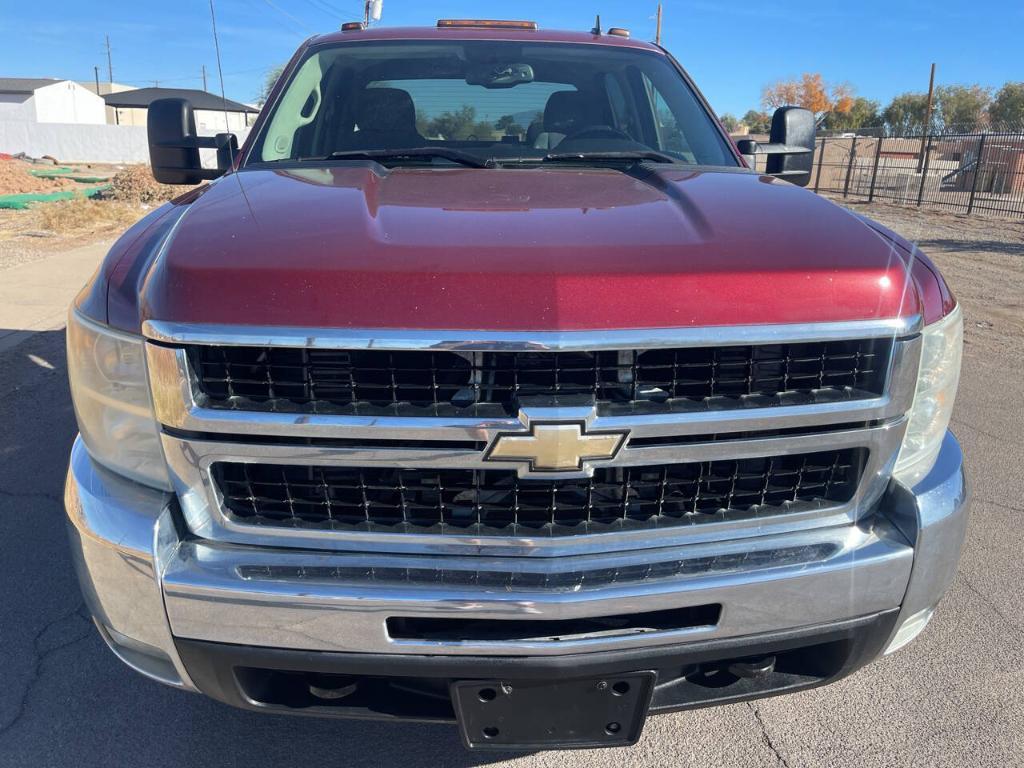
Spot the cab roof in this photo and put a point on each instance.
(481, 33)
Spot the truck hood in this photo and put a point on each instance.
(525, 249)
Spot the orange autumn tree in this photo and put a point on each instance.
(810, 92)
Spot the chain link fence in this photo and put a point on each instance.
(962, 172)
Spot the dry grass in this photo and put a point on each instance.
(85, 215)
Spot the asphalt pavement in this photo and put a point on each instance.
(955, 697)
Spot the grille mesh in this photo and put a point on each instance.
(366, 381)
(498, 502)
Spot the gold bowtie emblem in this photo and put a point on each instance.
(556, 447)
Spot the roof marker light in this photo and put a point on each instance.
(487, 23)
(618, 32)
(352, 26)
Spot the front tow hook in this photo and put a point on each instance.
(748, 668)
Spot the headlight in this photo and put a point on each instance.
(941, 351)
(107, 371)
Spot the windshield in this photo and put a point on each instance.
(487, 101)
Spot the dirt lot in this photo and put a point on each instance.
(56, 227)
(983, 261)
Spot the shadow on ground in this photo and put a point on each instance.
(972, 246)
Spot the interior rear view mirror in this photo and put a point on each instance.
(501, 76)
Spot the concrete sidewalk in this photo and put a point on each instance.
(35, 296)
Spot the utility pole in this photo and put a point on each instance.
(657, 32)
(931, 94)
(927, 118)
(204, 77)
(110, 65)
(96, 74)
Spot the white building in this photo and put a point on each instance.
(46, 100)
(102, 88)
(212, 113)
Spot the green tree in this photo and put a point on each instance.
(508, 126)
(863, 113)
(482, 131)
(729, 122)
(460, 124)
(757, 122)
(453, 125)
(423, 123)
(905, 114)
(1006, 112)
(962, 107)
(269, 81)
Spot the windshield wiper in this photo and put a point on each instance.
(473, 161)
(599, 157)
(381, 155)
(610, 157)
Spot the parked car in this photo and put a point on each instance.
(487, 384)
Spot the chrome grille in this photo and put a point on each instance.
(653, 568)
(500, 503)
(412, 382)
(353, 440)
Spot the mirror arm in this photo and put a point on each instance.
(226, 145)
(782, 149)
(227, 149)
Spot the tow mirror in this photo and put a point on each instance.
(174, 146)
(790, 151)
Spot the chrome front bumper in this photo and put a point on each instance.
(146, 583)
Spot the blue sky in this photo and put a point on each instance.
(731, 49)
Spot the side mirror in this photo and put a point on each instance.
(174, 146)
(748, 148)
(790, 148)
(792, 127)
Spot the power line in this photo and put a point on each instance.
(326, 8)
(192, 78)
(302, 25)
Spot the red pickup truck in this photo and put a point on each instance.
(488, 384)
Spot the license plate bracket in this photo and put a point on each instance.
(539, 714)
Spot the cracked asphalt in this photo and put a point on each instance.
(953, 698)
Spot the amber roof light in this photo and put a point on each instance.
(488, 23)
(352, 26)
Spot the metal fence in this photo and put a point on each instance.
(963, 172)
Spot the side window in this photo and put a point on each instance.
(670, 137)
(298, 108)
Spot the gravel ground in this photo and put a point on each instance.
(983, 261)
(25, 239)
(953, 698)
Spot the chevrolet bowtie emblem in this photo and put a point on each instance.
(556, 447)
